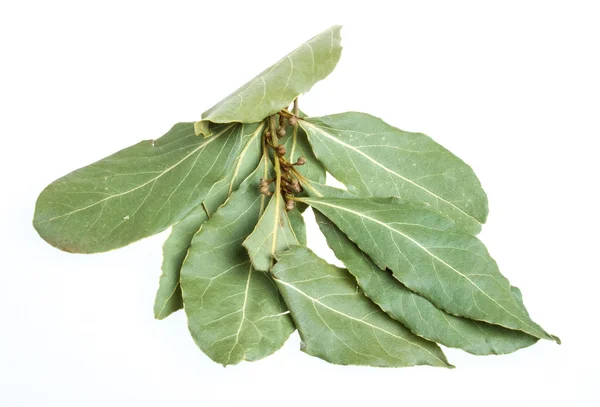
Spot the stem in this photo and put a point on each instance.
(275, 143)
(295, 131)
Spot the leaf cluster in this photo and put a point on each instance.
(233, 186)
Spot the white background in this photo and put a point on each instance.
(512, 88)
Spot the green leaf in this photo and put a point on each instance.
(277, 86)
(429, 255)
(297, 146)
(168, 298)
(273, 233)
(373, 158)
(338, 323)
(414, 311)
(234, 312)
(298, 225)
(137, 192)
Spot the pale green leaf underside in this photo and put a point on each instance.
(277, 86)
(136, 192)
(414, 311)
(168, 297)
(338, 323)
(234, 312)
(273, 233)
(429, 255)
(373, 158)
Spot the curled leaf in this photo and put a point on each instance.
(277, 86)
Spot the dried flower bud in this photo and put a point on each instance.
(281, 132)
(281, 150)
(295, 185)
(264, 189)
(267, 135)
(301, 161)
(293, 121)
(290, 205)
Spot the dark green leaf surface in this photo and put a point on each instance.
(373, 158)
(137, 192)
(277, 86)
(430, 256)
(414, 311)
(273, 233)
(234, 312)
(168, 296)
(338, 323)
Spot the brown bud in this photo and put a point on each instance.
(264, 189)
(295, 185)
(293, 121)
(281, 132)
(281, 150)
(301, 161)
(267, 135)
(290, 205)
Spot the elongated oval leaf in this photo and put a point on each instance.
(373, 158)
(135, 193)
(168, 297)
(338, 323)
(273, 233)
(234, 312)
(277, 86)
(428, 254)
(414, 311)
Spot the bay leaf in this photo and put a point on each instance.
(415, 312)
(277, 86)
(338, 323)
(136, 192)
(273, 233)
(429, 255)
(373, 158)
(234, 312)
(168, 297)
